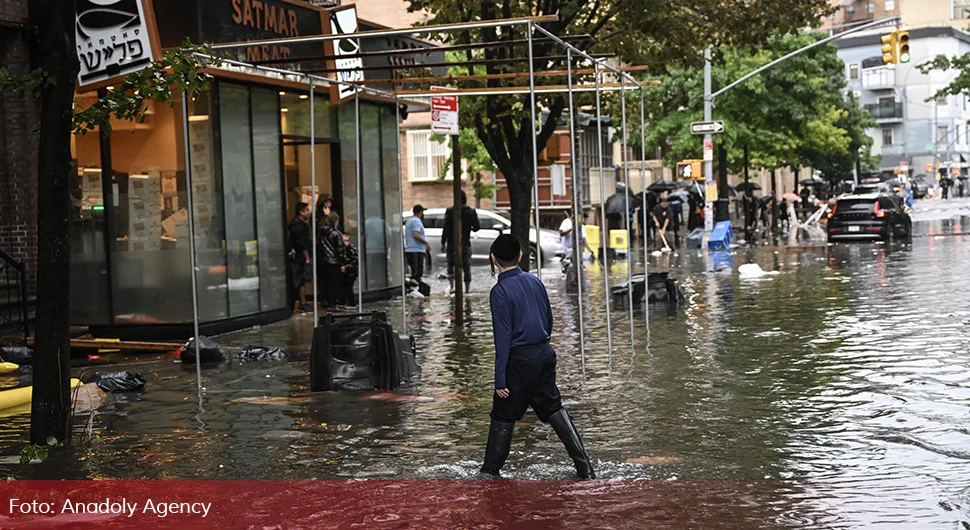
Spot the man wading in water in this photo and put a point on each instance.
(525, 363)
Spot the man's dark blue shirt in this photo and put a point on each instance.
(521, 316)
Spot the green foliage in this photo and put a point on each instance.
(179, 69)
(960, 84)
(32, 452)
(795, 114)
(477, 159)
(24, 84)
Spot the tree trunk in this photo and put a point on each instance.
(520, 199)
(54, 51)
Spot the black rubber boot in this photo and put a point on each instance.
(563, 424)
(499, 444)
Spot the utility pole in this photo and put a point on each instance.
(708, 143)
(458, 244)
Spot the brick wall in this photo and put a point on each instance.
(432, 194)
(18, 144)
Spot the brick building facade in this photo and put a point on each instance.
(18, 143)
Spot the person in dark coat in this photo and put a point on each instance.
(694, 217)
(331, 256)
(525, 363)
(469, 223)
(350, 271)
(301, 266)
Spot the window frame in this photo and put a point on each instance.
(410, 138)
(854, 73)
(964, 9)
(888, 130)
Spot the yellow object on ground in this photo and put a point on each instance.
(6, 368)
(592, 233)
(618, 240)
(22, 395)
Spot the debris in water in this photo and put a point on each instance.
(655, 460)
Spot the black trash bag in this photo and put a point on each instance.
(21, 355)
(262, 353)
(119, 381)
(209, 351)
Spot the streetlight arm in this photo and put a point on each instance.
(874, 23)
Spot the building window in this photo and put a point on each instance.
(942, 131)
(872, 7)
(887, 137)
(854, 71)
(961, 8)
(941, 101)
(890, 5)
(426, 158)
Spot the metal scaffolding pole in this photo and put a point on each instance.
(584, 54)
(360, 205)
(192, 258)
(535, 154)
(603, 226)
(626, 213)
(313, 206)
(643, 181)
(400, 191)
(577, 256)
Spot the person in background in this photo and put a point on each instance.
(525, 362)
(662, 219)
(301, 266)
(416, 246)
(566, 233)
(469, 224)
(677, 219)
(945, 185)
(350, 271)
(783, 215)
(331, 256)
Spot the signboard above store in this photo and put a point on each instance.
(114, 38)
(347, 51)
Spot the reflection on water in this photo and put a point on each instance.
(839, 386)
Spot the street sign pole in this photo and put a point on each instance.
(708, 143)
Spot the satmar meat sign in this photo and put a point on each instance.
(270, 17)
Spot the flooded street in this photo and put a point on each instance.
(833, 394)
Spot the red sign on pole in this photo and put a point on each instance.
(444, 112)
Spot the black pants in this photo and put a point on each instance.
(613, 221)
(330, 282)
(349, 297)
(531, 379)
(466, 263)
(415, 263)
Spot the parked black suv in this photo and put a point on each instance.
(873, 216)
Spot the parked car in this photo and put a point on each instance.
(871, 185)
(870, 216)
(493, 224)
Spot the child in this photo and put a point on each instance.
(525, 363)
(350, 272)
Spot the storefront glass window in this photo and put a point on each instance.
(89, 264)
(348, 176)
(392, 195)
(375, 229)
(242, 250)
(267, 165)
(150, 280)
(207, 211)
(296, 115)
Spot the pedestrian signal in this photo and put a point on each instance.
(689, 170)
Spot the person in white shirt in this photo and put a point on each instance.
(566, 232)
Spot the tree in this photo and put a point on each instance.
(654, 32)
(795, 114)
(53, 82)
(478, 160)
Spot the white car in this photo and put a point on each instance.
(493, 224)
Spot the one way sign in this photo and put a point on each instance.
(707, 127)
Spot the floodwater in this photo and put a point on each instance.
(832, 393)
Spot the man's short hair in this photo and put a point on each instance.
(300, 207)
(464, 198)
(506, 250)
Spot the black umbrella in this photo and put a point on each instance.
(745, 186)
(812, 182)
(682, 184)
(663, 185)
(680, 196)
(615, 204)
(963, 177)
(732, 192)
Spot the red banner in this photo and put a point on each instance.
(374, 504)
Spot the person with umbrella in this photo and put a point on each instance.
(945, 184)
(961, 183)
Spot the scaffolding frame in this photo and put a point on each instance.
(312, 81)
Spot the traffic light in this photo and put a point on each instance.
(902, 40)
(689, 170)
(890, 49)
